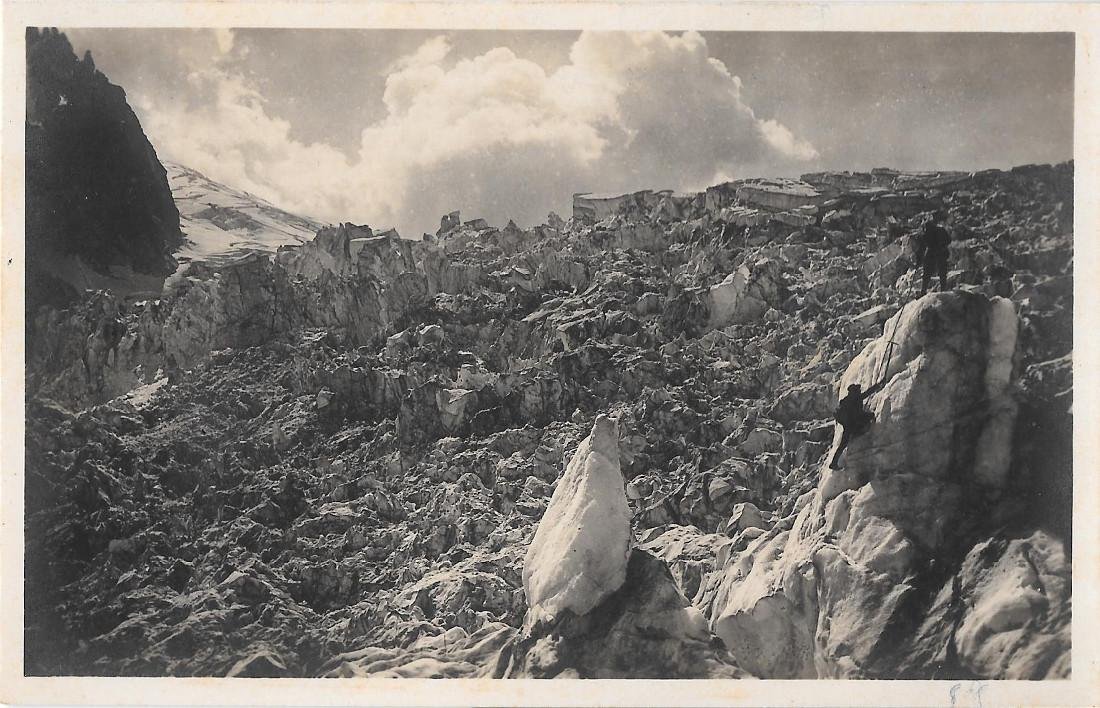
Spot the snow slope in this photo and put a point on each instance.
(221, 223)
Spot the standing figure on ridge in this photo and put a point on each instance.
(932, 251)
(104, 339)
(853, 417)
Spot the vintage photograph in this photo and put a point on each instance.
(575, 354)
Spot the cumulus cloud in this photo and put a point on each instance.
(495, 135)
(431, 52)
(781, 138)
(231, 138)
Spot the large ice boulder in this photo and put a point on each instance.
(597, 609)
(850, 585)
(947, 407)
(745, 295)
(328, 252)
(579, 553)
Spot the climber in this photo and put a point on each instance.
(932, 251)
(98, 347)
(853, 417)
(1000, 279)
(105, 339)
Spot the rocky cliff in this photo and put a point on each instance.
(367, 456)
(99, 211)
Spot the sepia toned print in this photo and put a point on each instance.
(548, 354)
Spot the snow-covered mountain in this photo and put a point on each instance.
(221, 223)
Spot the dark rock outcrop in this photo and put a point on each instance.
(98, 208)
(645, 629)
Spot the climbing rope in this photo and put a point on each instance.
(884, 363)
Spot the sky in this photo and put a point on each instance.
(398, 127)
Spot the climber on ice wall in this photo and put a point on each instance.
(850, 413)
(853, 417)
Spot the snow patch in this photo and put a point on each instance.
(139, 397)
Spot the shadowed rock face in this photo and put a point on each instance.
(97, 197)
(645, 629)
